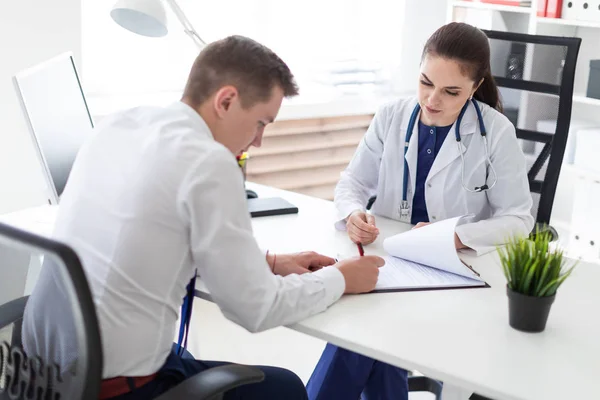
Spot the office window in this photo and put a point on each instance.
(331, 45)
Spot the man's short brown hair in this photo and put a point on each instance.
(253, 69)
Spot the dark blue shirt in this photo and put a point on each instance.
(430, 142)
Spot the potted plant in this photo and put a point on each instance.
(533, 273)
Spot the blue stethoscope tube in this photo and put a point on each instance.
(404, 207)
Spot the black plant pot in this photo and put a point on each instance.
(527, 313)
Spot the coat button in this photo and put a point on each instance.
(428, 151)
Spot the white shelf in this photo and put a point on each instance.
(493, 7)
(300, 107)
(568, 22)
(583, 99)
(577, 171)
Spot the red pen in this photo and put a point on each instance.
(361, 251)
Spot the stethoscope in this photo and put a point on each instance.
(404, 206)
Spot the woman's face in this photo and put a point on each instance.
(443, 90)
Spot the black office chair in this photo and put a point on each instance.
(536, 76)
(39, 377)
(532, 93)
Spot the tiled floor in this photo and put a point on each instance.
(212, 337)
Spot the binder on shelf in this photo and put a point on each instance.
(516, 3)
(554, 8)
(541, 10)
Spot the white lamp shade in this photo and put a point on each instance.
(144, 17)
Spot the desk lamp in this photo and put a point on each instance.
(149, 18)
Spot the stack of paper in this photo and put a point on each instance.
(425, 258)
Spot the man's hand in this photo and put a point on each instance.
(297, 263)
(361, 227)
(360, 273)
(458, 244)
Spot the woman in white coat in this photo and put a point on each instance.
(479, 170)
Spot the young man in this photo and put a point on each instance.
(155, 197)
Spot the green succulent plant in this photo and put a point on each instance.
(531, 268)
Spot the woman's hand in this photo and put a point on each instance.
(361, 227)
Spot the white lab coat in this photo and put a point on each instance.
(378, 165)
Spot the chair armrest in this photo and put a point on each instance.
(425, 384)
(213, 382)
(12, 311)
(543, 228)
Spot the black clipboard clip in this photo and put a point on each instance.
(471, 268)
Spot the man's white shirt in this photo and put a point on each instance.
(151, 199)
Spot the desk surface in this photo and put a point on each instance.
(459, 336)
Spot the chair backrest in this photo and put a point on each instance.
(58, 357)
(535, 75)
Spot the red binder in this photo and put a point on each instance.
(554, 8)
(515, 3)
(541, 9)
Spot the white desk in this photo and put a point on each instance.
(461, 337)
(38, 220)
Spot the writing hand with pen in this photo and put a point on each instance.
(361, 272)
(361, 227)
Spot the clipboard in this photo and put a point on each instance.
(409, 276)
(413, 265)
(426, 289)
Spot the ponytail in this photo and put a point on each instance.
(488, 92)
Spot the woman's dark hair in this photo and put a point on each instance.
(470, 47)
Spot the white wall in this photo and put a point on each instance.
(31, 31)
(417, 27)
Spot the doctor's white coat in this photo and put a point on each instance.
(378, 165)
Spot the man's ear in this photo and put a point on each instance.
(223, 99)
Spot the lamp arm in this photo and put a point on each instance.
(187, 25)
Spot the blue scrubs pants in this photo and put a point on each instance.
(344, 375)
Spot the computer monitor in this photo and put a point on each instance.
(58, 117)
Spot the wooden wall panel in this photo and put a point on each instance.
(307, 155)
